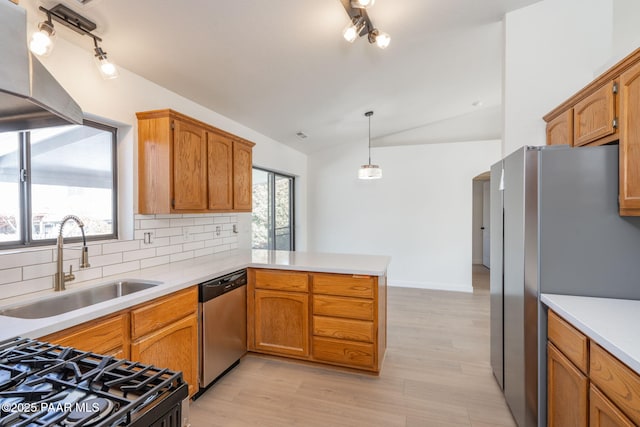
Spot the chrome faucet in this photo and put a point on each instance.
(61, 278)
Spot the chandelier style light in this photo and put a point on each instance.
(369, 171)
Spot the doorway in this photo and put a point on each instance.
(481, 228)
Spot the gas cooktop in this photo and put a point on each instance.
(42, 384)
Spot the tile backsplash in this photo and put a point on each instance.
(158, 239)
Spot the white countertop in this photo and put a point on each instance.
(611, 323)
(180, 275)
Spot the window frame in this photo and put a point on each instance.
(26, 208)
(272, 203)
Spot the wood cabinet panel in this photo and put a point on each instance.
(242, 177)
(571, 342)
(174, 347)
(220, 166)
(567, 392)
(163, 311)
(619, 383)
(189, 166)
(344, 352)
(185, 165)
(593, 116)
(102, 336)
(282, 280)
(351, 308)
(629, 197)
(281, 322)
(603, 413)
(560, 129)
(344, 285)
(346, 329)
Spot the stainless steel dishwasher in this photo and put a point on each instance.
(223, 325)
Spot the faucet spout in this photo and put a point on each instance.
(61, 278)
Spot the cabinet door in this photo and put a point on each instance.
(567, 392)
(630, 141)
(174, 347)
(560, 129)
(593, 116)
(189, 166)
(220, 166)
(242, 173)
(603, 413)
(281, 322)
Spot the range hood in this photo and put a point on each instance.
(30, 97)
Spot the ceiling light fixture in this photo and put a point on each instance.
(361, 24)
(78, 23)
(369, 171)
(42, 41)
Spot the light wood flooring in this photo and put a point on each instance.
(436, 373)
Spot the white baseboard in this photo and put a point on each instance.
(454, 287)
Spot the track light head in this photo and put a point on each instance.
(362, 4)
(42, 41)
(381, 39)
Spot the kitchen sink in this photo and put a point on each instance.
(71, 300)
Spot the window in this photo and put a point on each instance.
(273, 222)
(46, 174)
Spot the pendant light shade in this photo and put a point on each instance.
(369, 171)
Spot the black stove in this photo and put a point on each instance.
(43, 384)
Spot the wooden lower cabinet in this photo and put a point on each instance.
(603, 393)
(281, 322)
(174, 347)
(107, 336)
(603, 413)
(338, 319)
(567, 402)
(162, 332)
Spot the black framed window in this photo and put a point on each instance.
(273, 210)
(46, 174)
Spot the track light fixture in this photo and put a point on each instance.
(41, 41)
(361, 24)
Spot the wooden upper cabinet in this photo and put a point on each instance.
(185, 165)
(560, 129)
(242, 174)
(220, 159)
(629, 197)
(189, 166)
(593, 117)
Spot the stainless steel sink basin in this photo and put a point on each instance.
(71, 300)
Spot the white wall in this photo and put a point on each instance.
(419, 213)
(626, 31)
(552, 49)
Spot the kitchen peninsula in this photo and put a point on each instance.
(338, 287)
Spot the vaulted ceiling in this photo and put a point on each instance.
(282, 66)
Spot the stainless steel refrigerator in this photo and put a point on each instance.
(555, 228)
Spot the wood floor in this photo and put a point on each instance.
(436, 373)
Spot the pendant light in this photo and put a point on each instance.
(369, 171)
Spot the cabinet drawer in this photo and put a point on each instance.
(350, 308)
(571, 342)
(104, 338)
(343, 352)
(163, 311)
(342, 284)
(345, 329)
(281, 280)
(603, 413)
(619, 383)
